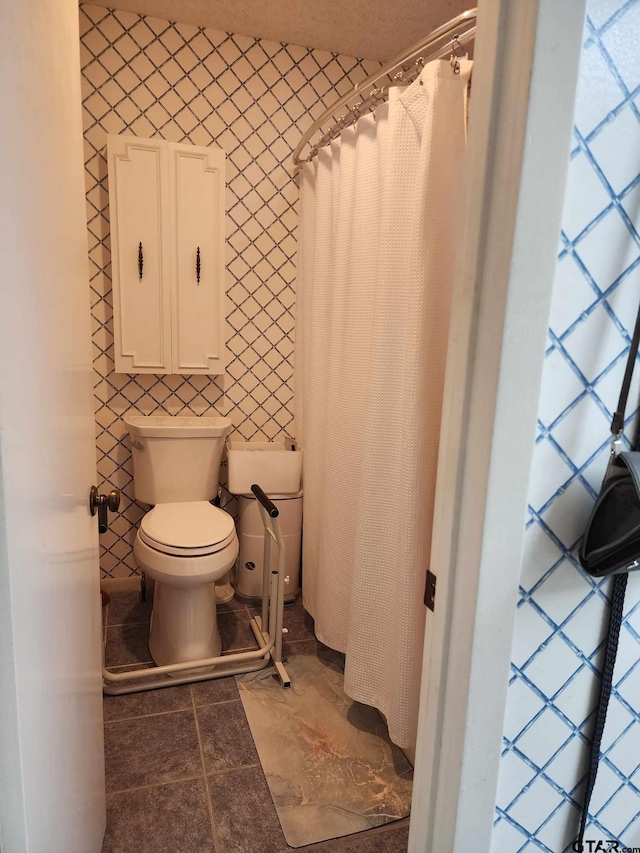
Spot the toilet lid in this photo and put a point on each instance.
(194, 527)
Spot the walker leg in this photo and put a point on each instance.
(267, 599)
(277, 649)
(281, 674)
(273, 607)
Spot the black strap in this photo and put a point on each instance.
(617, 423)
(618, 589)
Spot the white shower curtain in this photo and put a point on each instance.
(378, 232)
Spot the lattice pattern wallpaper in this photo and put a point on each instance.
(559, 625)
(253, 98)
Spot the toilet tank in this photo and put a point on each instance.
(177, 458)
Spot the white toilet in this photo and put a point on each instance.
(184, 543)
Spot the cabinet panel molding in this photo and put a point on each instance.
(166, 205)
(197, 181)
(138, 209)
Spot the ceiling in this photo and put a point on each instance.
(368, 29)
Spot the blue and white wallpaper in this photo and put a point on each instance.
(561, 612)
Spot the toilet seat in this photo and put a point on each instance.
(187, 529)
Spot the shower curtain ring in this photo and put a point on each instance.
(454, 59)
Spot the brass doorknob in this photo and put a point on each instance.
(100, 504)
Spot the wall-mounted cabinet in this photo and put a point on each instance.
(166, 204)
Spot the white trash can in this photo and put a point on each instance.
(251, 535)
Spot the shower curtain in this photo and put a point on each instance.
(378, 231)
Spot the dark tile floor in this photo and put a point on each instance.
(183, 775)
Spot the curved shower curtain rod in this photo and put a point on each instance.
(402, 69)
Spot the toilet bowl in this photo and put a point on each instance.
(185, 547)
(184, 542)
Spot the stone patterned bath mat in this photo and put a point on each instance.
(329, 763)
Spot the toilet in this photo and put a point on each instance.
(184, 542)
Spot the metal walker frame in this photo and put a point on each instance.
(267, 628)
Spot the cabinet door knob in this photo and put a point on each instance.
(140, 261)
(198, 265)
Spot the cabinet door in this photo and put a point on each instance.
(197, 195)
(141, 289)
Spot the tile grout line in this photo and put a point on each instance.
(154, 785)
(204, 773)
(234, 769)
(306, 640)
(221, 702)
(148, 716)
(168, 710)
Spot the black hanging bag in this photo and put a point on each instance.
(611, 546)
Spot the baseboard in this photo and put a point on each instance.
(110, 585)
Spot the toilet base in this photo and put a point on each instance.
(184, 624)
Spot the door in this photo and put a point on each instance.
(51, 747)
